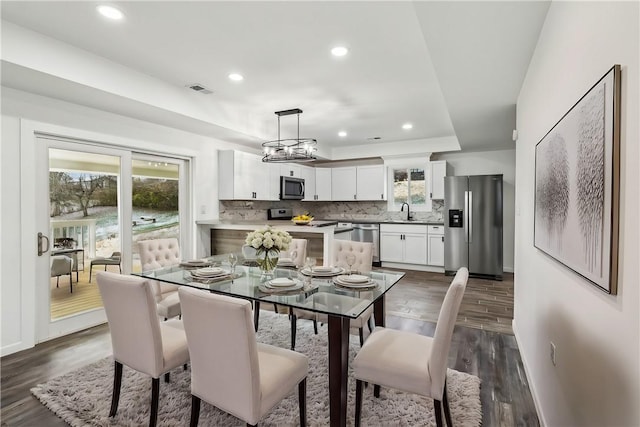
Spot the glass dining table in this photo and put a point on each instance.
(316, 292)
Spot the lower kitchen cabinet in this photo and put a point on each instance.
(403, 243)
(435, 250)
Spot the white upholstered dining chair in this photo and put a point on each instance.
(138, 338)
(297, 251)
(229, 369)
(159, 253)
(363, 252)
(411, 362)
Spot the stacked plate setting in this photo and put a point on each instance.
(353, 281)
(209, 273)
(286, 262)
(323, 271)
(283, 284)
(195, 263)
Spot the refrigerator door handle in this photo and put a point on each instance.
(465, 219)
(470, 217)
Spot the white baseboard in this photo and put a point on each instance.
(14, 348)
(527, 372)
(416, 267)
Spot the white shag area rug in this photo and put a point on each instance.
(83, 397)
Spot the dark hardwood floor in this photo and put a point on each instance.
(479, 350)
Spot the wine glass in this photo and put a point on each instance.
(233, 261)
(351, 259)
(309, 262)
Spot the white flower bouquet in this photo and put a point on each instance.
(270, 242)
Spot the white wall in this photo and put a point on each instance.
(487, 163)
(18, 298)
(596, 381)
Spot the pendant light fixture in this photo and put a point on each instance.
(289, 150)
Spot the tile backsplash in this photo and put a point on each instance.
(246, 210)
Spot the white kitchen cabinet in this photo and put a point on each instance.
(309, 175)
(243, 176)
(435, 236)
(323, 184)
(403, 243)
(370, 183)
(274, 181)
(290, 169)
(343, 184)
(439, 169)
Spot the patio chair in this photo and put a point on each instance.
(61, 266)
(114, 259)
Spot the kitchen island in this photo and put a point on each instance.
(229, 236)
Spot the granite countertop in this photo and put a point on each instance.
(390, 221)
(332, 222)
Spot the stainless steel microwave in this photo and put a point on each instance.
(291, 188)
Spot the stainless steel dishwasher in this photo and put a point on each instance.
(368, 233)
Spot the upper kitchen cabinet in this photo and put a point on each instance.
(243, 176)
(439, 169)
(291, 169)
(323, 184)
(309, 175)
(343, 184)
(370, 183)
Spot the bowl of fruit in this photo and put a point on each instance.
(302, 219)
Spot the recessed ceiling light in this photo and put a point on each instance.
(110, 12)
(342, 133)
(407, 126)
(339, 51)
(236, 77)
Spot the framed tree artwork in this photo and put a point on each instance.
(577, 185)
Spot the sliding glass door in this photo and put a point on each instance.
(90, 200)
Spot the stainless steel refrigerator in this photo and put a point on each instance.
(473, 225)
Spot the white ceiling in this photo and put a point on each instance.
(452, 69)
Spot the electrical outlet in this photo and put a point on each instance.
(552, 352)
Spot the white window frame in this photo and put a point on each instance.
(391, 205)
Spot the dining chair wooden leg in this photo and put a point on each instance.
(445, 402)
(155, 397)
(376, 390)
(293, 331)
(167, 377)
(71, 282)
(315, 326)
(184, 367)
(302, 401)
(358, 402)
(117, 383)
(90, 268)
(256, 314)
(437, 409)
(57, 281)
(370, 324)
(361, 333)
(275, 308)
(195, 411)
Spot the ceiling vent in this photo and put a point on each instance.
(200, 89)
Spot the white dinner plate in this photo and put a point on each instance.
(368, 284)
(209, 272)
(354, 278)
(282, 282)
(293, 287)
(334, 271)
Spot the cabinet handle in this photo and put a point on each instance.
(382, 196)
(442, 239)
(355, 197)
(431, 195)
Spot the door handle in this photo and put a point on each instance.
(465, 217)
(40, 238)
(470, 216)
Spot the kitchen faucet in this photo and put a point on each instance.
(408, 213)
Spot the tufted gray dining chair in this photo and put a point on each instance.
(159, 253)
